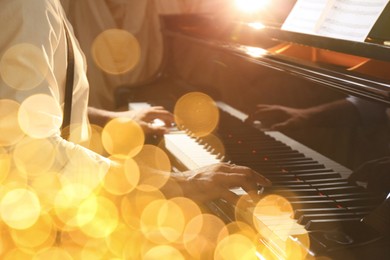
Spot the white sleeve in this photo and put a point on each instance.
(39, 24)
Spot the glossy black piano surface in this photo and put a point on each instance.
(207, 53)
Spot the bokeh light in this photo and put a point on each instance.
(11, 133)
(163, 252)
(133, 205)
(40, 116)
(34, 156)
(53, 253)
(202, 234)
(20, 208)
(46, 186)
(42, 234)
(162, 221)
(94, 141)
(5, 164)
(235, 246)
(105, 219)
(116, 51)
(123, 178)
(123, 137)
(155, 166)
(251, 6)
(67, 202)
(23, 66)
(197, 112)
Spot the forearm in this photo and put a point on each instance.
(99, 116)
(336, 113)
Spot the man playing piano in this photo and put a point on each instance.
(33, 66)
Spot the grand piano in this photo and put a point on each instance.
(239, 65)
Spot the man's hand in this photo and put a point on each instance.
(278, 118)
(215, 181)
(143, 117)
(146, 117)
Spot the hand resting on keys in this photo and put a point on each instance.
(144, 117)
(215, 181)
(278, 118)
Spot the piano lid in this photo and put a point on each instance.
(356, 68)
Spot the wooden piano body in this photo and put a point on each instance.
(210, 54)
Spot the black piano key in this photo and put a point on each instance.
(290, 192)
(313, 176)
(280, 177)
(304, 219)
(300, 212)
(362, 201)
(329, 184)
(324, 180)
(292, 182)
(364, 194)
(313, 204)
(341, 190)
(329, 224)
(304, 197)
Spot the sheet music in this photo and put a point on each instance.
(341, 19)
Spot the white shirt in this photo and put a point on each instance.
(39, 27)
(138, 17)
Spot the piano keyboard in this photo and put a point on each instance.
(323, 201)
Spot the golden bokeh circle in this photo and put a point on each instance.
(197, 112)
(235, 246)
(40, 235)
(116, 51)
(162, 221)
(122, 178)
(40, 116)
(202, 234)
(104, 221)
(23, 66)
(5, 164)
(155, 167)
(34, 157)
(10, 130)
(53, 253)
(163, 252)
(20, 208)
(123, 137)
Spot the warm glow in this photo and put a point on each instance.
(163, 252)
(123, 178)
(40, 116)
(40, 235)
(162, 221)
(23, 66)
(202, 234)
(104, 221)
(256, 25)
(254, 52)
(197, 112)
(123, 137)
(34, 157)
(5, 164)
(116, 51)
(236, 246)
(152, 160)
(20, 208)
(251, 6)
(9, 125)
(53, 253)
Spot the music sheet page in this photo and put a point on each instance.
(341, 19)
